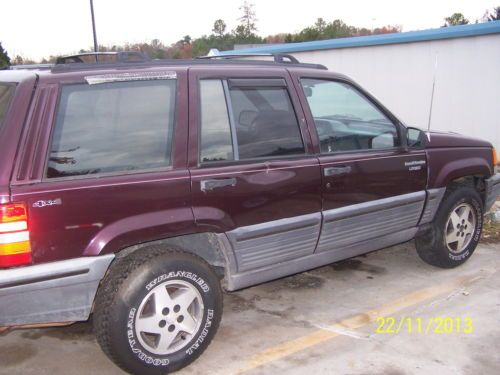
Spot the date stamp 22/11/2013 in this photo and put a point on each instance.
(418, 325)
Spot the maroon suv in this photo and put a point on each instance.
(136, 191)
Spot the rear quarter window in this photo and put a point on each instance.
(113, 127)
(6, 94)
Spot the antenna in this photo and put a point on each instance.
(432, 92)
(96, 47)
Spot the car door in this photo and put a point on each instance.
(254, 175)
(103, 163)
(373, 188)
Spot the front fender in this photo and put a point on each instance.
(446, 165)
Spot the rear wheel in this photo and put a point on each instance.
(157, 310)
(455, 231)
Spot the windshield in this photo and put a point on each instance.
(6, 94)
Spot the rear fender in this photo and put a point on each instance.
(140, 229)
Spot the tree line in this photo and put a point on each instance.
(245, 33)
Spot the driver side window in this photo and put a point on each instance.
(345, 120)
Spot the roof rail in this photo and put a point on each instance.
(278, 58)
(124, 57)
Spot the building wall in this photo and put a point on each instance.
(466, 72)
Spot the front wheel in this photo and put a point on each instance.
(455, 231)
(157, 310)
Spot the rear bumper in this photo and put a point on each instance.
(55, 292)
(492, 191)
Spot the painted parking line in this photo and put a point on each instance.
(360, 320)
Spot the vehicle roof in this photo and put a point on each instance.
(46, 70)
(73, 72)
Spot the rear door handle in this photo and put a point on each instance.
(208, 185)
(335, 171)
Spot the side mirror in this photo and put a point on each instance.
(416, 138)
(308, 92)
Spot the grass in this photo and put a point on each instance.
(491, 232)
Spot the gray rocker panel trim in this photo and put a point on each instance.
(271, 272)
(434, 198)
(61, 291)
(345, 226)
(276, 241)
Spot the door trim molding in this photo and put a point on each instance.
(371, 206)
(237, 277)
(264, 244)
(235, 281)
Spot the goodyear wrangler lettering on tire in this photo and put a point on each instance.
(184, 274)
(204, 333)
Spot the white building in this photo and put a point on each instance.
(462, 63)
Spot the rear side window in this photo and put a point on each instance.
(257, 120)
(113, 127)
(6, 94)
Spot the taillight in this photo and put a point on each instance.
(15, 248)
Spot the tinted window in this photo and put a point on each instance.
(265, 122)
(111, 127)
(345, 119)
(216, 143)
(6, 94)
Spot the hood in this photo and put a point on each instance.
(448, 139)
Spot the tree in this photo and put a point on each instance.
(455, 19)
(219, 28)
(494, 15)
(18, 60)
(185, 41)
(4, 57)
(247, 26)
(320, 25)
(338, 29)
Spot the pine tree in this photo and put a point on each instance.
(4, 58)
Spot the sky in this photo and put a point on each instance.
(39, 28)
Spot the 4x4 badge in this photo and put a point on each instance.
(40, 204)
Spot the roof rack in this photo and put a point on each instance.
(139, 59)
(103, 57)
(134, 58)
(277, 57)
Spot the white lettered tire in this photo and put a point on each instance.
(452, 237)
(157, 310)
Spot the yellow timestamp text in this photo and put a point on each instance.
(436, 325)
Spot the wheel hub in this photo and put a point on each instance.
(169, 316)
(460, 228)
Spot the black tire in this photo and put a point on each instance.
(124, 293)
(432, 243)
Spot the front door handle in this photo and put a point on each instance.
(335, 171)
(208, 185)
